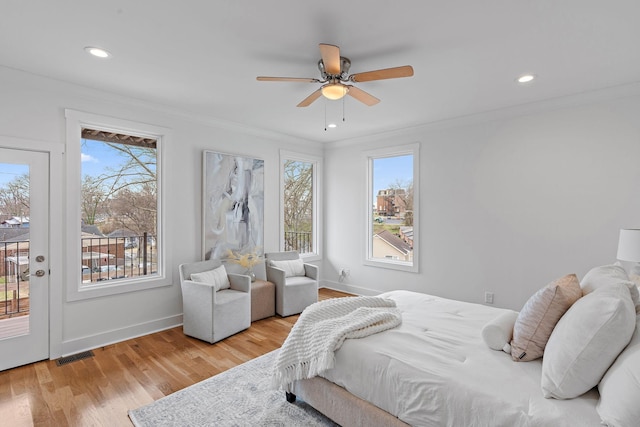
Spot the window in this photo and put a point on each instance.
(116, 167)
(392, 208)
(300, 204)
(119, 206)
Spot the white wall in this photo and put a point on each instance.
(33, 108)
(507, 204)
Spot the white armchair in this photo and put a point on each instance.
(296, 282)
(209, 314)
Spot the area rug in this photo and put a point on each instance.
(241, 396)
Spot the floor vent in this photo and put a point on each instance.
(68, 359)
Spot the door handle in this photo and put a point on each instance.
(40, 273)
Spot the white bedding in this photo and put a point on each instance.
(435, 370)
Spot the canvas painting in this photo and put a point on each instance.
(233, 205)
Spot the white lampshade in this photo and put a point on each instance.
(334, 91)
(629, 245)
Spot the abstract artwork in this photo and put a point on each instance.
(233, 205)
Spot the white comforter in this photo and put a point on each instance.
(322, 329)
(435, 370)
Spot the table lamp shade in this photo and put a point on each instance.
(629, 245)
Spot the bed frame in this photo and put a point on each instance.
(341, 406)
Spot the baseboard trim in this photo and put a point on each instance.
(346, 287)
(118, 335)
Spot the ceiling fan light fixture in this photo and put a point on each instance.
(334, 91)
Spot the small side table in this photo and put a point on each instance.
(263, 299)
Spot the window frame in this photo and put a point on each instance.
(370, 156)
(316, 162)
(76, 290)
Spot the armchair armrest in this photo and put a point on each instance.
(197, 293)
(311, 271)
(275, 275)
(240, 282)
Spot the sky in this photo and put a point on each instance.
(96, 156)
(9, 171)
(388, 170)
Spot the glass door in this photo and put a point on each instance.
(24, 264)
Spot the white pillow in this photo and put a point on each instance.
(608, 275)
(498, 332)
(216, 277)
(291, 267)
(586, 341)
(619, 389)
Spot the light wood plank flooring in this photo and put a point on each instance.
(99, 391)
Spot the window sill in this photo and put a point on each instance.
(392, 265)
(85, 291)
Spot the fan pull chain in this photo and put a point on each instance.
(325, 116)
(343, 120)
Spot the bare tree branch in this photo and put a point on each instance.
(14, 197)
(126, 193)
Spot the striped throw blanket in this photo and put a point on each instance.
(322, 328)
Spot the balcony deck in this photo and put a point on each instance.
(14, 326)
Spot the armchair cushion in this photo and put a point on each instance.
(301, 280)
(216, 277)
(291, 267)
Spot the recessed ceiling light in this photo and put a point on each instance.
(526, 78)
(98, 52)
(332, 125)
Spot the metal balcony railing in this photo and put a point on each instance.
(108, 258)
(14, 278)
(300, 241)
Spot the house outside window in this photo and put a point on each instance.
(392, 207)
(300, 207)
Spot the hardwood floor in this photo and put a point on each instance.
(98, 391)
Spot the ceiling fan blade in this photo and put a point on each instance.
(309, 99)
(286, 79)
(362, 96)
(330, 58)
(387, 73)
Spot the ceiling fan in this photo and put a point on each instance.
(334, 70)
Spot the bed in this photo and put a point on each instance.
(435, 369)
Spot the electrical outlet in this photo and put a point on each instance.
(488, 297)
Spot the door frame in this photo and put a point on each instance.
(56, 264)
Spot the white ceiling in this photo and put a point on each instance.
(202, 57)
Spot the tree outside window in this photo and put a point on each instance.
(298, 206)
(300, 228)
(14, 193)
